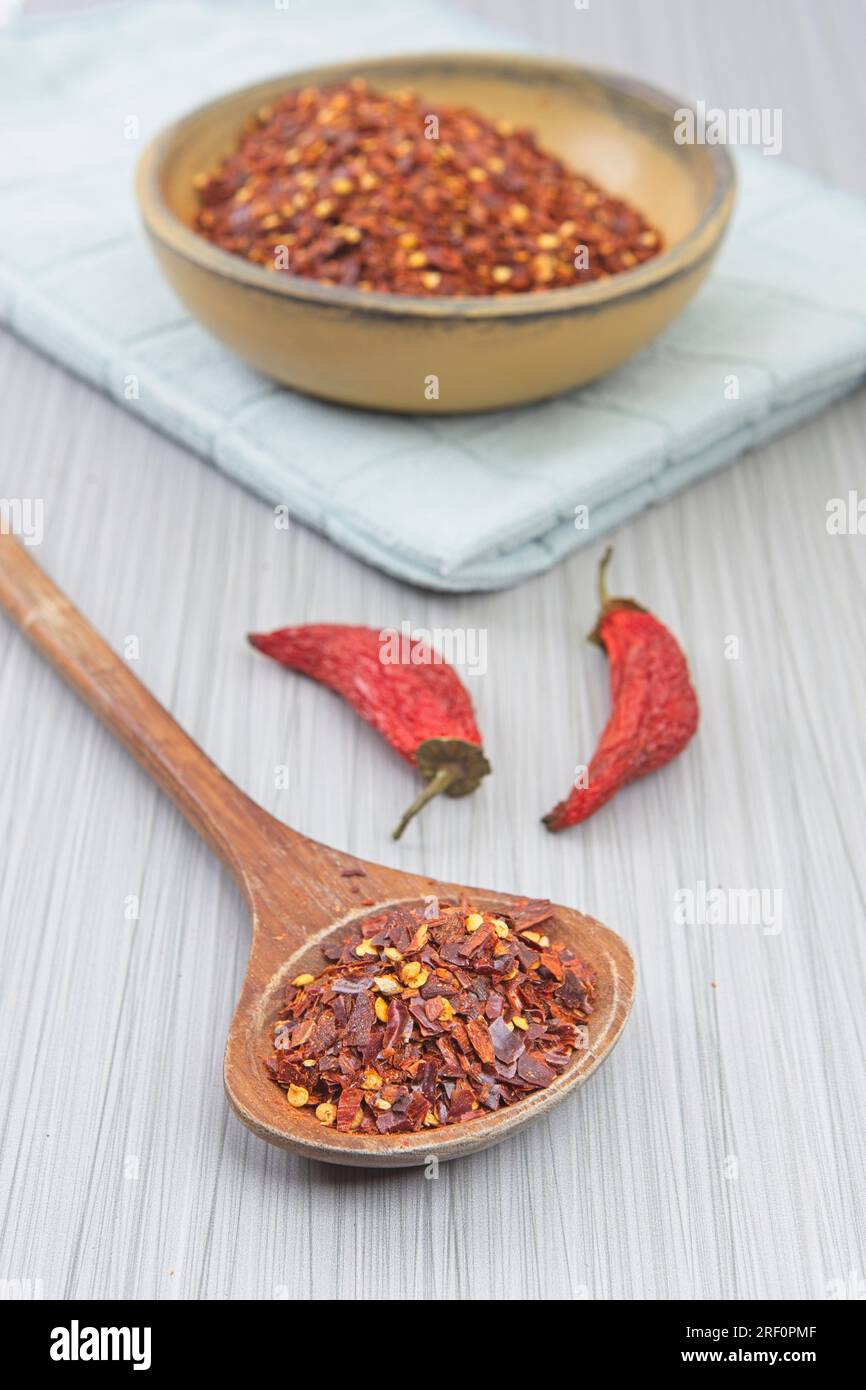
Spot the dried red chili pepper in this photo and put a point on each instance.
(430, 1016)
(655, 708)
(419, 706)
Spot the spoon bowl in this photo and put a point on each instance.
(261, 1104)
(299, 893)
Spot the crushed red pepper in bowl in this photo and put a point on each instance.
(372, 190)
(431, 1015)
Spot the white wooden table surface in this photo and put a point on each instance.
(719, 1152)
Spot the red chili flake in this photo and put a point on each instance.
(344, 185)
(462, 1100)
(419, 706)
(507, 1043)
(551, 962)
(532, 1067)
(395, 1016)
(361, 1022)
(374, 1055)
(479, 1036)
(391, 1120)
(450, 1059)
(324, 1035)
(303, 1031)
(427, 1025)
(655, 708)
(476, 942)
(531, 915)
(349, 1108)
(577, 987)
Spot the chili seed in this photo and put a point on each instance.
(386, 984)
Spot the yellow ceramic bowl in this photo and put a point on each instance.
(380, 350)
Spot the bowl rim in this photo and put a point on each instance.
(163, 224)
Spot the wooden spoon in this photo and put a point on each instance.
(299, 892)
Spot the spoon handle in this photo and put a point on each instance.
(221, 813)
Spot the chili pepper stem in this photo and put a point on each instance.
(607, 601)
(440, 782)
(603, 592)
